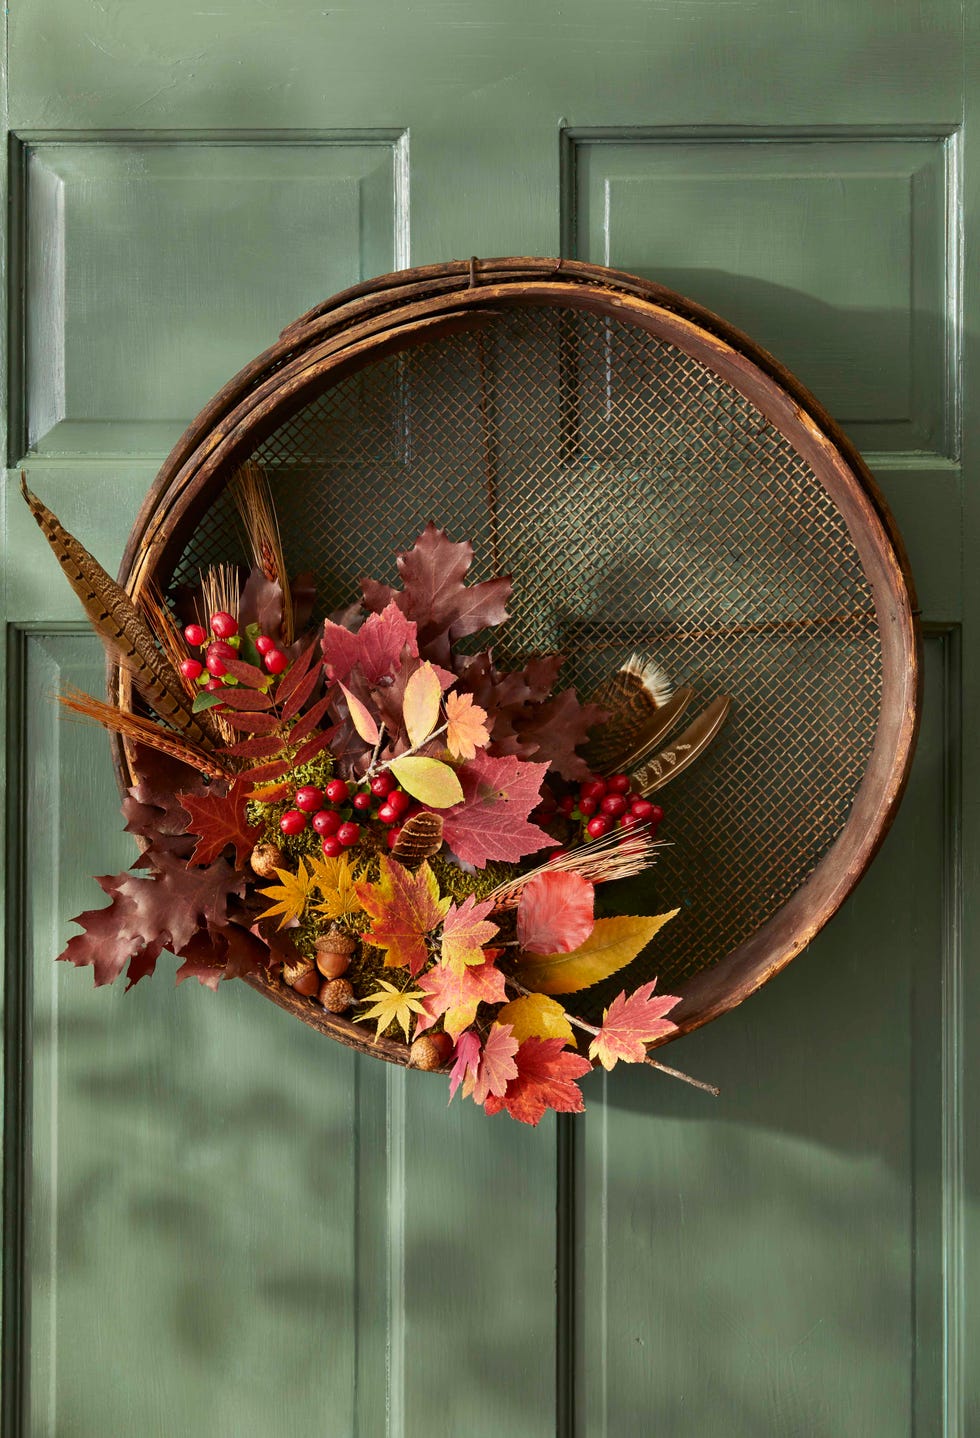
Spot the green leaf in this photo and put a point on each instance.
(428, 780)
(612, 944)
(207, 699)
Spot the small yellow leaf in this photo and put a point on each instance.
(290, 896)
(391, 1004)
(335, 880)
(420, 706)
(536, 1017)
(361, 718)
(612, 944)
(466, 726)
(428, 780)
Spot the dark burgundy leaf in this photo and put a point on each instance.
(261, 748)
(246, 674)
(300, 694)
(252, 723)
(261, 604)
(296, 671)
(219, 821)
(314, 746)
(248, 699)
(310, 719)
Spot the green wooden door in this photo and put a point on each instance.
(220, 1224)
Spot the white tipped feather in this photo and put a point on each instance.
(652, 677)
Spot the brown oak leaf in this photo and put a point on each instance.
(219, 820)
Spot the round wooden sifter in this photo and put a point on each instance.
(653, 481)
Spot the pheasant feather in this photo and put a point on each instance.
(119, 625)
(635, 697)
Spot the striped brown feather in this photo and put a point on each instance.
(420, 838)
(633, 695)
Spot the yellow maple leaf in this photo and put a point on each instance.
(392, 1004)
(404, 908)
(465, 930)
(290, 895)
(536, 1016)
(466, 727)
(335, 879)
(612, 944)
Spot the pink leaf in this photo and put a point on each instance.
(492, 821)
(467, 1056)
(377, 647)
(555, 913)
(629, 1024)
(497, 1066)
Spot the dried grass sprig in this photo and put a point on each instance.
(142, 731)
(616, 856)
(163, 622)
(252, 495)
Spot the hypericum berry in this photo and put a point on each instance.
(348, 834)
(614, 805)
(331, 846)
(588, 806)
(598, 826)
(224, 624)
(618, 784)
(191, 668)
(214, 684)
(218, 653)
(195, 635)
(309, 798)
(382, 784)
(326, 821)
(657, 814)
(566, 803)
(292, 822)
(387, 814)
(593, 789)
(629, 821)
(399, 801)
(275, 661)
(264, 644)
(362, 801)
(337, 791)
(642, 810)
(557, 853)
(392, 837)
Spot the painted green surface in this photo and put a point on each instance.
(232, 1227)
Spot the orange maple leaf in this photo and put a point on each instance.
(465, 930)
(456, 997)
(466, 726)
(404, 908)
(629, 1024)
(545, 1079)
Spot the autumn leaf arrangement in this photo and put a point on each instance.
(395, 838)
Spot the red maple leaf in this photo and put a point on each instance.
(555, 913)
(546, 1071)
(376, 648)
(404, 908)
(455, 997)
(219, 820)
(629, 1024)
(492, 822)
(497, 1066)
(435, 596)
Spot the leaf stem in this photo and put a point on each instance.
(377, 768)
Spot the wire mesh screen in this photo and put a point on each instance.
(640, 503)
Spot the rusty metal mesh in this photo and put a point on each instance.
(640, 503)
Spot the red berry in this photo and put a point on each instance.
(336, 791)
(614, 805)
(362, 801)
(657, 814)
(382, 784)
(292, 822)
(332, 846)
(264, 644)
(195, 635)
(224, 624)
(566, 804)
(557, 853)
(309, 798)
(629, 821)
(214, 684)
(642, 810)
(598, 826)
(391, 838)
(217, 655)
(275, 661)
(348, 834)
(387, 814)
(399, 801)
(587, 806)
(618, 784)
(593, 789)
(191, 668)
(326, 821)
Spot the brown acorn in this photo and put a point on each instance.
(265, 859)
(430, 1051)
(300, 974)
(336, 996)
(333, 953)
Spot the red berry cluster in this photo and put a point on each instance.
(333, 811)
(220, 645)
(601, 806)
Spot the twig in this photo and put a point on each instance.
(653, 1063)
(376, 768)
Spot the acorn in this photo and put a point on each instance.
(265, 859)
(300, 974)
(333, 953)
(430, 1051)
(336, 996)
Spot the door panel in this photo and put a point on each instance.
(218, 1223)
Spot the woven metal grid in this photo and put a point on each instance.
(640, 503)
